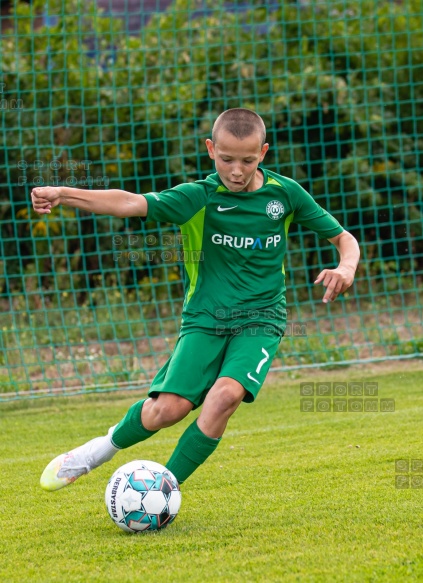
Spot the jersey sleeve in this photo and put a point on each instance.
(311, 215)
(176, 205)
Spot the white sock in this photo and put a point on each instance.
(100, 450)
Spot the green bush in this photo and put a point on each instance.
(339, 85)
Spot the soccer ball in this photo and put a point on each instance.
(143, 495)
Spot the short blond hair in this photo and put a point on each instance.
(241, 123)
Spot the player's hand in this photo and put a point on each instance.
(336, 281)
(44, 198)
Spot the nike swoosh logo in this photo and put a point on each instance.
(222, 209)
(252, 378)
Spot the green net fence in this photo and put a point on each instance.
(124, 97)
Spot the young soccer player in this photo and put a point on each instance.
(234, 310)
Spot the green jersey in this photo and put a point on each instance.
(234, 245)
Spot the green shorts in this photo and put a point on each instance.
(199, 359)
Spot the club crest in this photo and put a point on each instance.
(274, 210)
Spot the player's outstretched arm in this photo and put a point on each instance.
(114, 202)
(338, 280)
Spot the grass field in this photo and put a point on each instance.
(288, 495)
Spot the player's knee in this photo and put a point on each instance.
(169, 409)
(227, 397)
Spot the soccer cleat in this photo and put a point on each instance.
(61, 472)
(68, 467)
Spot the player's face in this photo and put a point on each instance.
(237, 160)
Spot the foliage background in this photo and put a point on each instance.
(340, 87)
